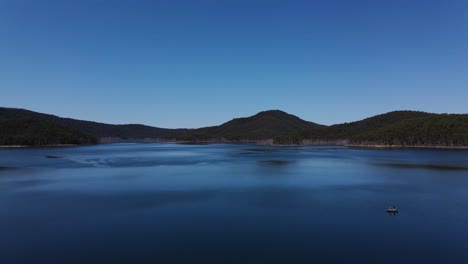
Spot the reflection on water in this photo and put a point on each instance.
(169, 203)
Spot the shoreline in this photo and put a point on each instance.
(261, 143)
(356, 146)
(382, 147)
(39, 146)
(329, 143)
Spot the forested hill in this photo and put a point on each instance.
(393, 129)
(94, 129)
(36, 132)
(264, 125)
(398, 128)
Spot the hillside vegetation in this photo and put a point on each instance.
(95, 129)
(264, 125)
(437, 130)
(398, 128)
(35, 132)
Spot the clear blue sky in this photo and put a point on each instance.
(198, 63)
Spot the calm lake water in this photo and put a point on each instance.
(170, 203)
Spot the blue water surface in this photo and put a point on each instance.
(229, 203)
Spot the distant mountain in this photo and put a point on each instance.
(393, 129)
(94, 129)
(398, 128)
(264, 125)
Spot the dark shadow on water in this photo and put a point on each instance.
(262, 150)
(276, 162)
(247, 153)
(422, 166)
(3, 168)
(52, 157)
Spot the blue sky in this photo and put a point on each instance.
(199, 63)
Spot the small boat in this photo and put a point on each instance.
(392, 209)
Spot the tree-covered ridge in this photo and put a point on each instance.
(398, 128)
(348, 130)
(36, 132)
(99, 130)
(264, 125)
(437, 130)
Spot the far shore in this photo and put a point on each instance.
(406, 147)
(39, 146)
(327, 143)
(381, 147)
(378, 146)
(262, 143)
